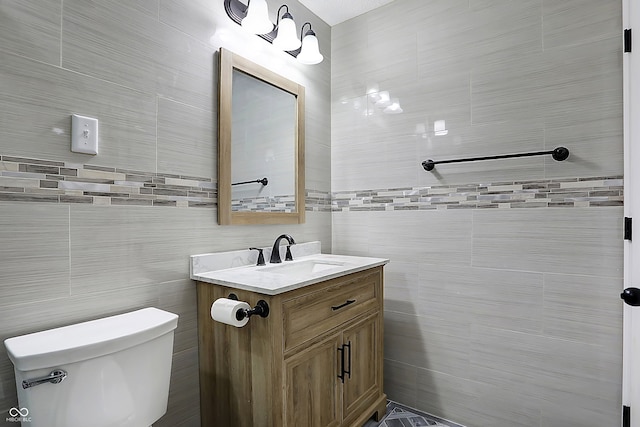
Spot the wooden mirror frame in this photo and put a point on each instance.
(228, 62)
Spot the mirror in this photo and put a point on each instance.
(260, 145)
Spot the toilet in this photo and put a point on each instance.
(108, 372)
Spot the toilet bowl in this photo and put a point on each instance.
(109, 372)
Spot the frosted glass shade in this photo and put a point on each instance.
(257, 20)
(383, 99)
(287, 39)
(310, 52)
(394, 108)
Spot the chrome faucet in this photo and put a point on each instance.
(275, 252)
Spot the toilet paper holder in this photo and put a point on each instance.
(261, 309)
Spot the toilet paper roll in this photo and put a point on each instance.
(224, 310)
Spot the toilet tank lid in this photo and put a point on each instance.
(83, 341)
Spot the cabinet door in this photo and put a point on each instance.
(363, 354)
(311, 386)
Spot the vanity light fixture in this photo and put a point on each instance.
(255, 17)
(287, 37)
(310, 51)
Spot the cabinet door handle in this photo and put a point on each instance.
(342, 372)
(338, 307)
(348, 372)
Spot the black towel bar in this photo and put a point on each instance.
(559, 154)
(263, 181)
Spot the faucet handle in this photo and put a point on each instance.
(260, 256)
(288, 256)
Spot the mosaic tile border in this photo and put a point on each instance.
(315, 201)
(318, 201)
(34, 180)
(265, 203)
(37, 180)
(549, 193)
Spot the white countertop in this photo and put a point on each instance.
(223, 269)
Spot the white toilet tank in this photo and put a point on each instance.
(116, 371)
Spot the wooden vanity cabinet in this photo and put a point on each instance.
(315, 361)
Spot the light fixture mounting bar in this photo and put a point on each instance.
(236, 10)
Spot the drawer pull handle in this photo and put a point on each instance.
(342, 371)
(338, 307)
(348, 372)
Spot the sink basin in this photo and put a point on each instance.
(238, 270)
(302, 268)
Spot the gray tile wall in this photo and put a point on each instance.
(147, 70)
(494, 317)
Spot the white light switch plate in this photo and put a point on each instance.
(84, 134)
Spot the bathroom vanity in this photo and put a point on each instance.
(315, 361)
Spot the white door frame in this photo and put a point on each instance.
(631, 131)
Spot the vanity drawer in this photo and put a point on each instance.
(312, 314)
